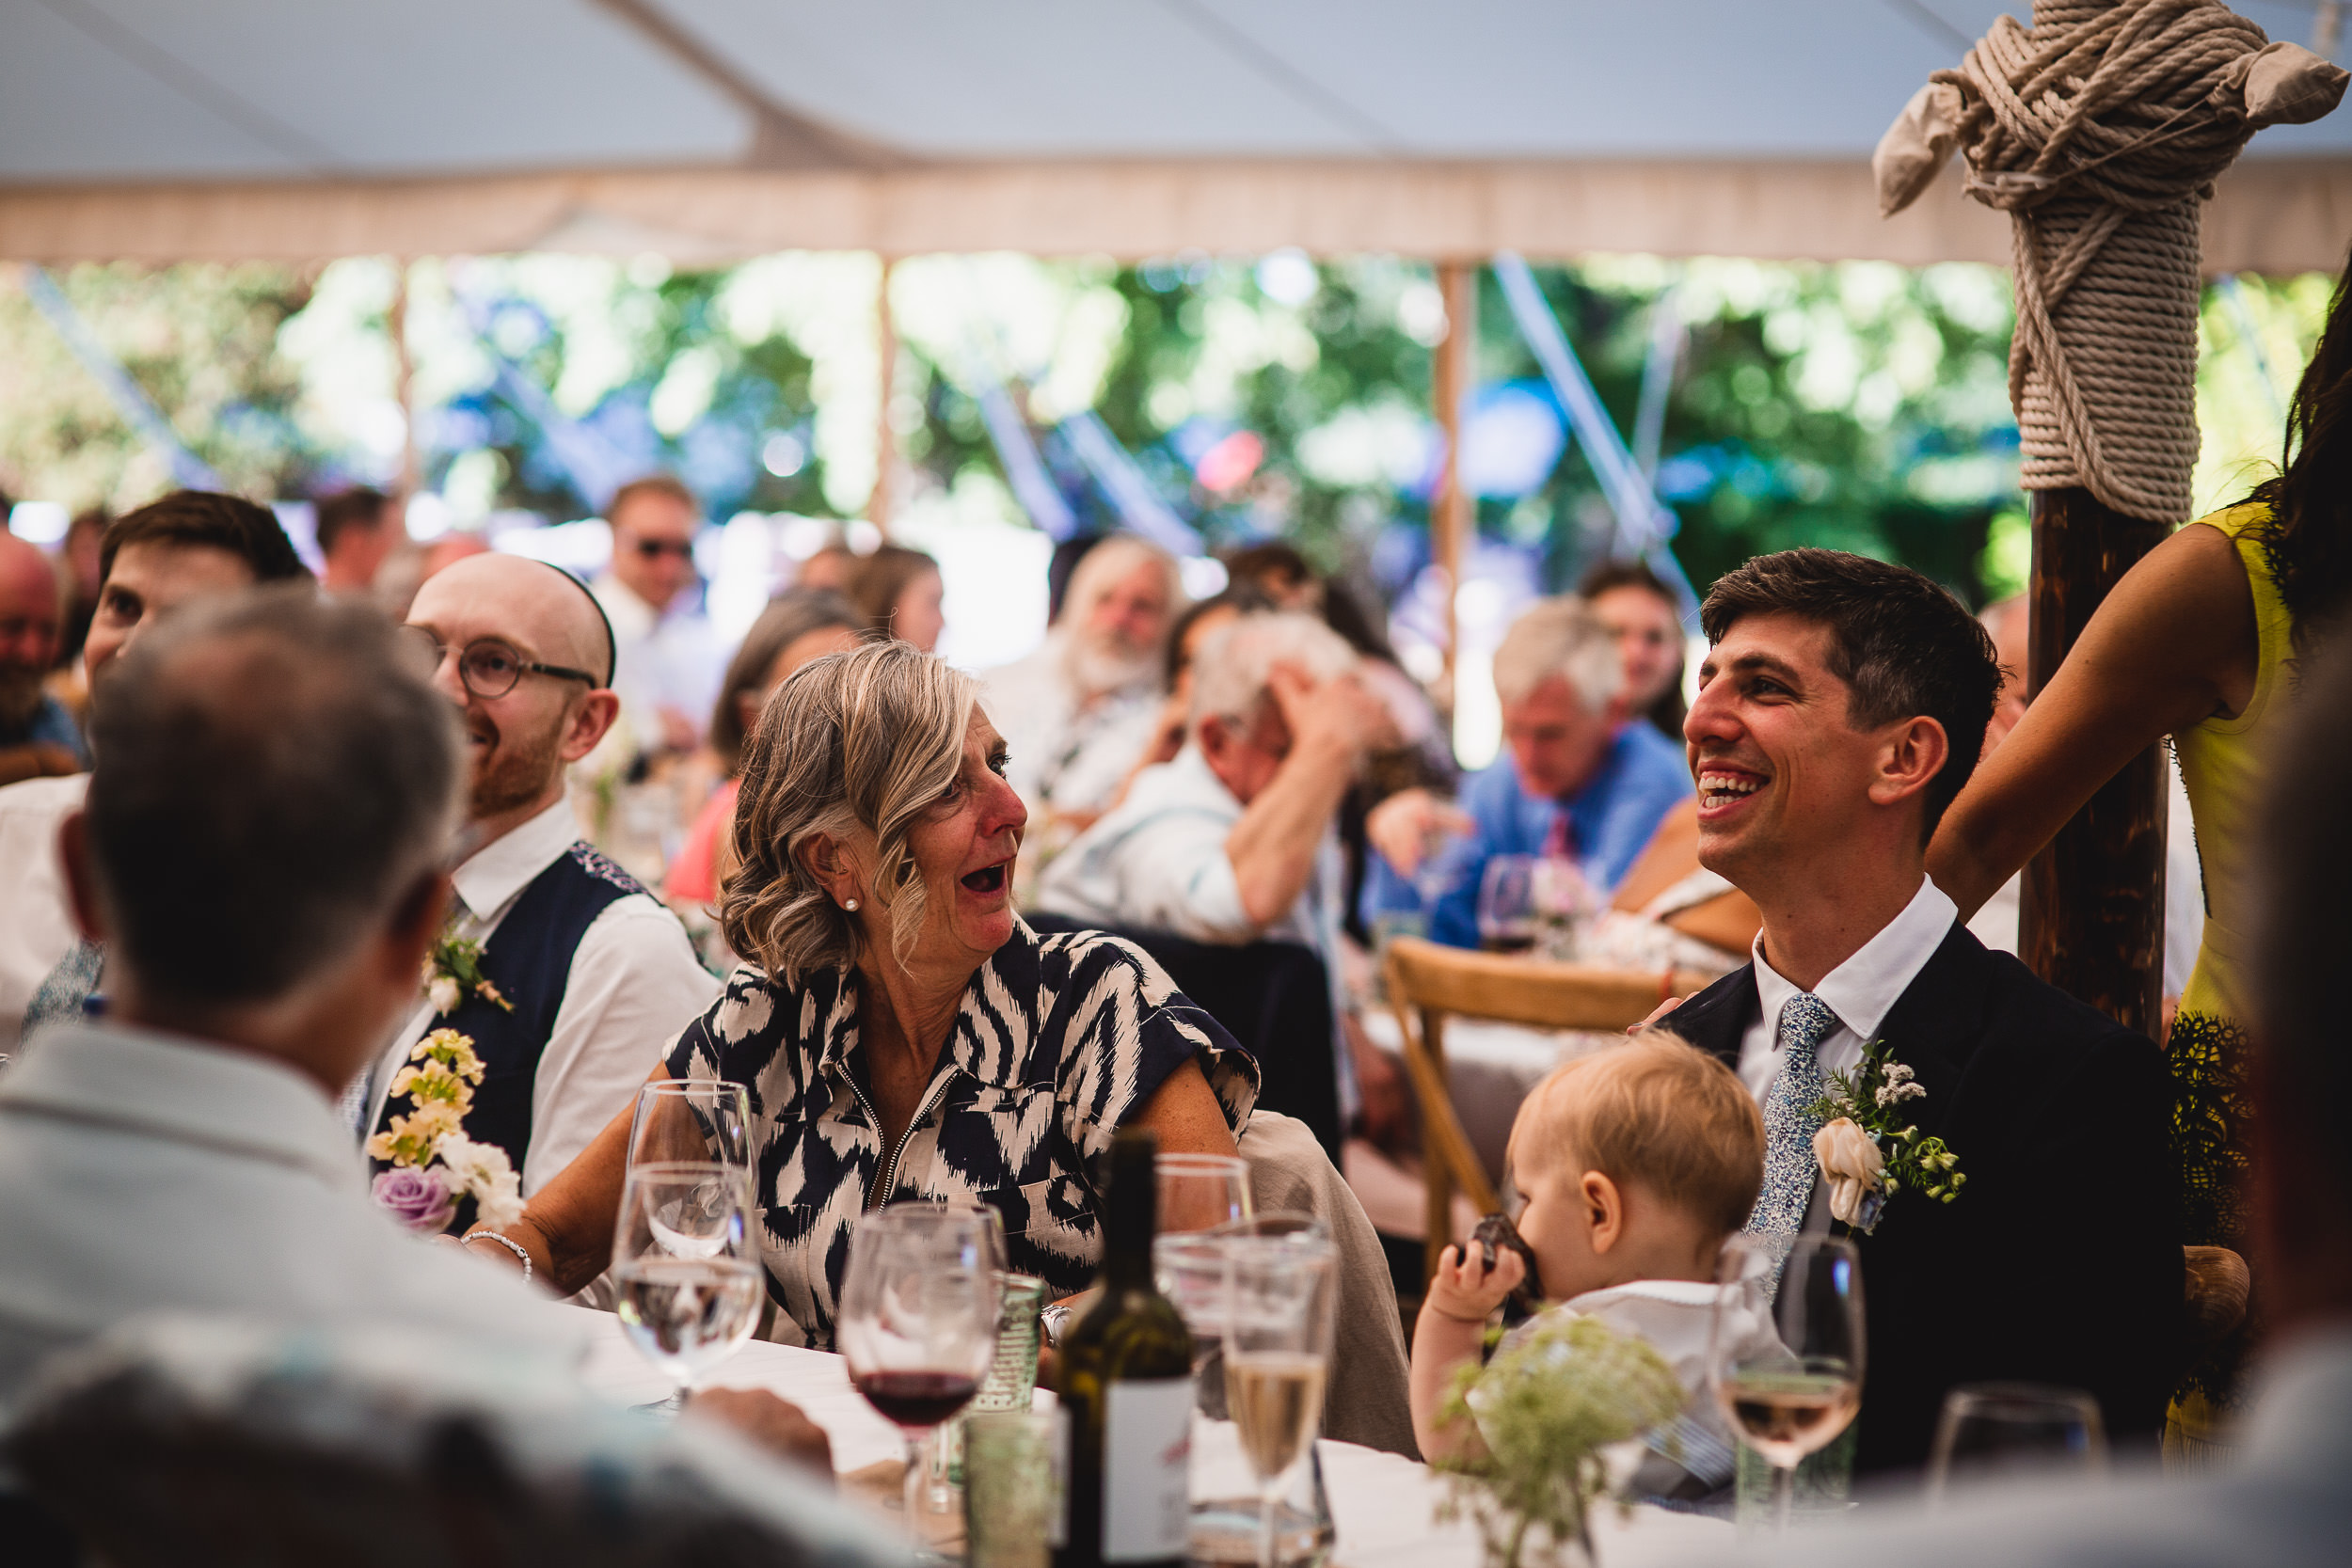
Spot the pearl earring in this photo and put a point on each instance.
(850, 903)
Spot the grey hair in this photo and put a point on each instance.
(1229, 676)
(865, 741)
(273, 777)
(1113, 559)
(1559, 638)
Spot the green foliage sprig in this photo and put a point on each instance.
(1872, 1097)
(1545, 1408)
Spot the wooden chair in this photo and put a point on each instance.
(1433, 981)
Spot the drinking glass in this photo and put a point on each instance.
(1190, 1270)
(1564, 905)
(1445, 852)
(1506, 904)
(691, 1121)
(1994, 1430)
(1201, 1192)
(1785, 1349)
(918, 1314)
(686, 1267)
(1278, 1348)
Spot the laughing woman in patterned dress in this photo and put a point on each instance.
(904, 1035)
(2198, 641)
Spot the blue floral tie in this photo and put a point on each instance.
(1789, 1166)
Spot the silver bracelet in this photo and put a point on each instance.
(507, 1242)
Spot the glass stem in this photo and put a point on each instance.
(1783, 1495)
(911, 1490)
(1268, 1500)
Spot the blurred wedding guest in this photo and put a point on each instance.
(582, 974)
(904, 1035)
(1638, 608)
(2281, 1502)
(797, 626)
(267, 906)
(671, 657)
(1077, 713)
(1841, 707)
(1578, 779)
(84, 538)
(38, 738)
(833, 567)
(1996, 924)
(357, 531)
(899, 591)
(188, 545)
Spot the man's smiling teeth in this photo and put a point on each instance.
(1726, 784)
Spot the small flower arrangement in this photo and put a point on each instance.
(453, 971)
(1870, 1151)
(434, 1165)
(1545, 1407)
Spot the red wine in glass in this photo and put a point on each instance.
(915, 1400)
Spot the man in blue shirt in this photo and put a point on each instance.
(1578, 780)
(38, 737)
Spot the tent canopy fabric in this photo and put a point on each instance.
(709, 129)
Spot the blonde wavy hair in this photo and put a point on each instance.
(865, 740)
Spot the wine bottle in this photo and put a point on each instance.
(1127, 1392)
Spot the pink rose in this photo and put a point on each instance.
(420, 1199)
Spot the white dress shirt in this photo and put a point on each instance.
(662, 659)
(634, 984)
(142, 1172)
(36, 919)
(1860, 991)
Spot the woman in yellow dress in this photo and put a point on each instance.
(2198, 642)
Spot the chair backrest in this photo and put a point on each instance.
(200, 1441)
(1369, 1404)
(1273, 997)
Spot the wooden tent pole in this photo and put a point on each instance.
(878, 506)
(2091, 918)
(396, 327)
(1449, 505)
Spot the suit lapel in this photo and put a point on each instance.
(1717, 1018)
(1933, 1028)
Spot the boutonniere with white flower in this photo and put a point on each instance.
(1870, 1149)
(434, 1165)
(453, 971)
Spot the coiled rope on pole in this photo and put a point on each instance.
(2099, 130)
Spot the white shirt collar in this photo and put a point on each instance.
(184, 1091)
(1864, 988)
(507, 865)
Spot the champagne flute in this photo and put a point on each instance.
(1506, 904)
(1990, 1430)
(1190, 1270)
(918, 1312)
(686, 1268)
(691, 1121)
(1785, 1349)
(1278, 1348)
(1201, 1192)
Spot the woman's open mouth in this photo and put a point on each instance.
(989, 878)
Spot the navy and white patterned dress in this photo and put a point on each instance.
(1058, 1039)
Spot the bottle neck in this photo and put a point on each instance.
(1130, 1214)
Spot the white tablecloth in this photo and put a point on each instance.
(1381, 1504)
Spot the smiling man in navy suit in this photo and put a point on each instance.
(1841, 707)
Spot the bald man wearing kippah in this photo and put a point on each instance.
(582, 974)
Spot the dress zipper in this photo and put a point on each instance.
(890, 1169)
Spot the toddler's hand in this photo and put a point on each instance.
(1470, 1289)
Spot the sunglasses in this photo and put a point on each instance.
(487, 667)
(654, 549)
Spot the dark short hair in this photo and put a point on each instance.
(250, 532)
(788, 617)
(2300, 855)
(881, 580)
(361, 506)
(1901, 643)
(272, 778)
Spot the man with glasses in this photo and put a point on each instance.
(670, 658)
(567, 974)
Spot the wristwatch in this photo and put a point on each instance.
(1055, 1319)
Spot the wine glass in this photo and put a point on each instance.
(691, 1121)
(686, 1267)
(1785, 1350)
(1201, 1192)
(1506, 904)
(917, 1318)
(1990, 1430)
(1563, 906)
(1190, 1270)
(1278, 1348)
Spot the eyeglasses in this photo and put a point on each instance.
(654, 549)
(488, 667)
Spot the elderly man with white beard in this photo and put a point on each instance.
(1077, 714)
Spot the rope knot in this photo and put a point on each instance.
(2098, 130)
